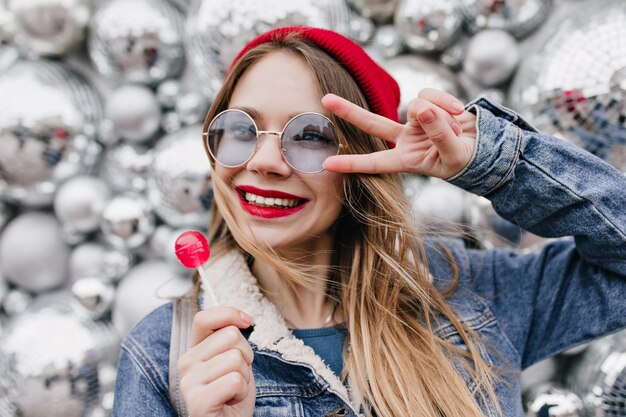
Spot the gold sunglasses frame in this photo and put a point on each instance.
(207, 147)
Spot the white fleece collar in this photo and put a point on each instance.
(234, 285)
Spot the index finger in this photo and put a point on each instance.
(381, 162)
(369, 122)
(207, 321)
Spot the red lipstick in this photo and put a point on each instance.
(268, 212)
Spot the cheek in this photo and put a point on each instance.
(332, 192)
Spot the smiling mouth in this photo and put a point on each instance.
(273, 202)
(271, 199)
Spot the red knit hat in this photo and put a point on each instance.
(380, 89)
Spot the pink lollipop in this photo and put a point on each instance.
(192, 250)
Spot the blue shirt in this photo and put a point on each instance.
(327, 342)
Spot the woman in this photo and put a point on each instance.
(331, 303)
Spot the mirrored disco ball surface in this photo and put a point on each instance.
(217, 29)
(137, 41)
(179, 182)
(54, 361)
(573, 84)
(598, 377)
(518, 17)
(48, 115)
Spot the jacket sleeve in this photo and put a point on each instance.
(141, 385)
(573, 290)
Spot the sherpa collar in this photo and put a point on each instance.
(234, 285)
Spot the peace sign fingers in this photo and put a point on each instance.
(371, 123)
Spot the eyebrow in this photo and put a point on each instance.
(257, 116)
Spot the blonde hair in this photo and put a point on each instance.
(379, 275)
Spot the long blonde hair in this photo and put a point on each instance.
(379, 275)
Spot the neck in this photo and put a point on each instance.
(301, 306)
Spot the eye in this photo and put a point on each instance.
(243, 131)
(313, 136)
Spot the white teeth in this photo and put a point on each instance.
(270, 201)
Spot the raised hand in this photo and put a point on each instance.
(438, 139)
(216, 377)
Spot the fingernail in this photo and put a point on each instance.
(245, 317)
(427, 116)
(457, 106)
(456, 127)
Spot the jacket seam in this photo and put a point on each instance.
(580, 197)
(512, 165)
(145, 364)
(474, 324)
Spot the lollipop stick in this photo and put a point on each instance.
(208, 286)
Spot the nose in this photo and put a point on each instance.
(268, 159)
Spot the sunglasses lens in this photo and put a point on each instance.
(307, 141)
(232, 138)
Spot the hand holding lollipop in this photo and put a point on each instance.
(216, 376)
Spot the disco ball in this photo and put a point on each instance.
(574, 83)
(48, 116)
(125, 167)
(179, 183)
(94, 295)
(218, 29)
(428, 26)
(361, 29)
(380, 11)
(167, 92)
(599, 377)
(93, 259)
(78, 204)
(49, 27)
(519, 17)
(127, 221)
(15, 302)
(191, 108)
(134, 112)
(8, 52)
(386, 43)
(548, 400)
(147, 286)
(137, 41)
(492, 56)
(52, 358)
(33, 254)
(414, 73)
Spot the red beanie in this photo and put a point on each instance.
(380, 89)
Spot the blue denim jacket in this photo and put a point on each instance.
(526, 307)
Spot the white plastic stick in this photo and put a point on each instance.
(208, 286)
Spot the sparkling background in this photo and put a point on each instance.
(102, 165)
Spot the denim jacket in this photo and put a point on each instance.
(526, 307)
